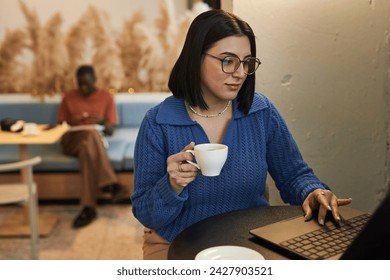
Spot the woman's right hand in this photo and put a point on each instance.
(180, 172)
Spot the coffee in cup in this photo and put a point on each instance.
(210, 158)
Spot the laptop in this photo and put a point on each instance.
(358, 236)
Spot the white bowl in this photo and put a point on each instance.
(229, 253)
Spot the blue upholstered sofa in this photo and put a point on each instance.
(57, 172)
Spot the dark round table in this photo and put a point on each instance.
(230, 228)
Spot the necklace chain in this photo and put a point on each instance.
(213, 115)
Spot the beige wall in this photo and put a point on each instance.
(325, 64)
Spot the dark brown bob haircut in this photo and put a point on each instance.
(206, 29)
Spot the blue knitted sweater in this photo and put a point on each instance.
(259, 142)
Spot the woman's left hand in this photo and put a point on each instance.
(323, 201)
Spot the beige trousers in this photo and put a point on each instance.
(95, 166)
(155, 247)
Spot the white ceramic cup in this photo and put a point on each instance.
(210, 158)
(30, 128)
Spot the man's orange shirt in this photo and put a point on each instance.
(100, 103)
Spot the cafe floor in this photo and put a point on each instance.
(115, 235)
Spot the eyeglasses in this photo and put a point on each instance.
(230, 64)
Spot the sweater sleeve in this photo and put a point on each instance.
(292, 176)
(155, 204)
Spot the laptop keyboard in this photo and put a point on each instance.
(328, 241)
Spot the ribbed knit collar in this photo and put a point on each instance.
(173, 111)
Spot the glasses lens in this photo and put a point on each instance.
(250, 65)
(230, 64)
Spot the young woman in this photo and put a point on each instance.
(214, 100)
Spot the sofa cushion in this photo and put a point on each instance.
(43, 113)
(52, 158)
(131, 135)
(126, 134)
(9, 153)
(116, 151)
(132, 114)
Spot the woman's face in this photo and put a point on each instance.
(217, 85)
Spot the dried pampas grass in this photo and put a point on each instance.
(130, 53)
(50, 65)
(166, 24)
(151, 65)
(107, 56)
(137, 58)
(173, 34)
(76, 44)
(12, 46)
(33, 25)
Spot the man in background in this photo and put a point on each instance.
(84, 108)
